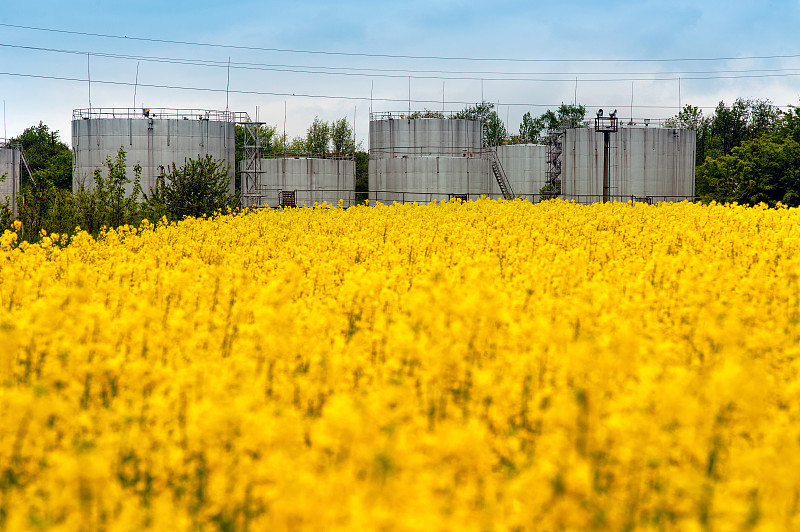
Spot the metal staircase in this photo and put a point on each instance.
(251, 171)
(554, 150)
(500, 175)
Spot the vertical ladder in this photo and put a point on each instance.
(500, 175)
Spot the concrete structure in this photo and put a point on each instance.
(153, 138)
(426, 159)
(525, 166)
(311, 179)
(646, 164)
(10, 171)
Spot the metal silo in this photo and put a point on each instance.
(645, 164)
(301, 180)
(9, 174)
(153, 138)
(426, 159)
(525, 166)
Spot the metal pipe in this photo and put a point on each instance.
(606, 166)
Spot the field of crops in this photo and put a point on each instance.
(479, 366)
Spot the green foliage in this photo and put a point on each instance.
(548, 191)
(690, 117)
(318, 137)
(106, 204)
(46, 153)
(362, 175)
(494, 131)
(41, 205)
(765, 169)
(479, 111)
(342, 137)
(728, 127)
(426, 114)
(198, 188)
(536, 130)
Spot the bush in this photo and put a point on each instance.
(198, 188)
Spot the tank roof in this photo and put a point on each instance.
(404, 115)
(163, 113)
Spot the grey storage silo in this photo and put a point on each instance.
(307, 180)
(525, 167)
(9, 175)
(646, 164)
(153, 138)
(425, 159)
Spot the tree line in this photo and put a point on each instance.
(748, 152)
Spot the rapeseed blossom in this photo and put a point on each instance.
(485, 365)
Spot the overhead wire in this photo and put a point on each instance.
(398, 56)
(405, 73)
(301, 95)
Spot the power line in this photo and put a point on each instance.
(396, 56)
(366, 72)
(304, 95)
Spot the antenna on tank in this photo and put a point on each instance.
(371, 88)
(89, 78)
(443, 96)
(575, 100)
(631, 103)
(228, 85)
(5, 133)
(284, 125)
(136, 84)
(409, 95)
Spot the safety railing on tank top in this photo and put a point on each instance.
(162, 113)
(408, 115)
(586, 199)
(297, 197)
(292, 155)
(422, 152)
(390, 196)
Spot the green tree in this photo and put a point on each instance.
(45, 152)
(198, 188)
(342, 137)
(765, 169)
(426, 114)
(107, 204)
(536, 130)
(494, 130)
(362, 175)
(318, 138)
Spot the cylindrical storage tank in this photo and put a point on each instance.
(311, 179)
(425, 179)
(152, 138)
(426, 159)
(646, 164)
(525, 166)
(392, 136)
(9, 176)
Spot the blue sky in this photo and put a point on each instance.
(618, 51)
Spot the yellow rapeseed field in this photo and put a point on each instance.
(481, 366)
